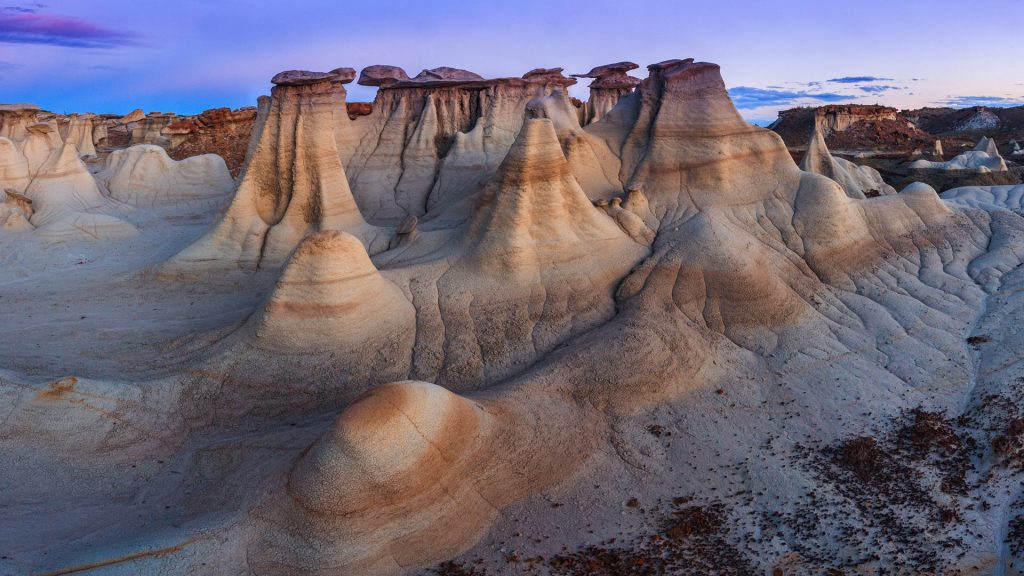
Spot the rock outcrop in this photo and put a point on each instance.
(610, 84)
(144, 175)
(221, 131)
(15, 212)
(133, 116)
(45, 172)
(852, 127)
(653, 311)
(433, 140)
(149, 130)
(984, 158)
(381, 74)
(330, 296)
(15, 120)
(857, 181)
(293, 184)
(79, 131)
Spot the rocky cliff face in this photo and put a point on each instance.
(435, 139)
(220, 131)
(852, 127)
(883, 129)
(1004, 123)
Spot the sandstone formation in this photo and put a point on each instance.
(435, 140)
(149, 130)
(331, 296)
(219, 131)
(381, 74)
(984, 158)
(100, 133)
(144, 175)
(877, 128)
(288, 192)
(45, 171)
(67, 201)
(610, 83)
(79, 131)
(469, 326)
(988, 146)
(15, 120)
(857, 181)
(852, 127)
(15, 212)
(133, 116)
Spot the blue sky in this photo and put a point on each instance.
(188, 55)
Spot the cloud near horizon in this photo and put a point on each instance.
(971, 101)
(858, 79)
(747, 97)
(26, 25)
(872, 89)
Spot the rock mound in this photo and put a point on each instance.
(145, 175)
(534, 214)
(331, 296)
(984, 158)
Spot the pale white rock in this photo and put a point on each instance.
(79, 131)
(145, 175)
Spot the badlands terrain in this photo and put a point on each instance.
(933, 145)
(477, 327)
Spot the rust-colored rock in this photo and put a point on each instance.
(381, 74)
(220, 131)
(357, 109)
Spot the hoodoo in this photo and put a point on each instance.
(79, 131)
(293, 184)
(434, 140)
(475, 323)
(857, 181)
(610, 84)
(44, 171)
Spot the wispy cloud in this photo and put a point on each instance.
(969, 101)
(25, 25)
(858, 79)
(746, 97)
(879, 88)
(22, 9)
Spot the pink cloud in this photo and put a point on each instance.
(20, 25)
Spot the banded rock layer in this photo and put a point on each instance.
(477, 304)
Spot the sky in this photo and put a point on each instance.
(185, 56)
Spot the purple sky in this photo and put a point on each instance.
(188, 55)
